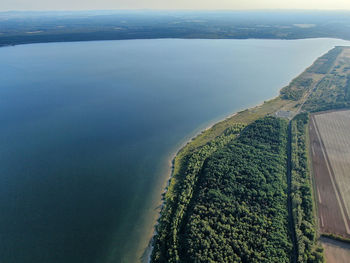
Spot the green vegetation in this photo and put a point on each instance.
(297, 88)
(301, 194)
(325, 85)
(333, 89)
(347, 89)
(324, 64)
(180, 191)
(236, 212)
(228, 197)
(336, 237)
(239, 208)
(330, 93)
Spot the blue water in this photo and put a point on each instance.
(87, 130)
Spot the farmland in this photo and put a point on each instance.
(330, 150)
(335, 251)
(330, 147)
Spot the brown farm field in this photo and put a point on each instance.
(330, 151)
(335, 251)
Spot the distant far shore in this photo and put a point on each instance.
(57, 26)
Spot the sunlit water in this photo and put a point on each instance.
(88, 128)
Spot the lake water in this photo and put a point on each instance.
(88, 128)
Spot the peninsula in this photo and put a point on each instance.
(242, 191)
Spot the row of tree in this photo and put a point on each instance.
(302, 198)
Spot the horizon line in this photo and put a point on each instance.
(177, 10)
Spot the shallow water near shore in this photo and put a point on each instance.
(88, 129)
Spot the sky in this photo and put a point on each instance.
(172, 4)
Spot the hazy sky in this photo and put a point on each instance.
(171, 4)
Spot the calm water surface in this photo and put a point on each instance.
(87, 130)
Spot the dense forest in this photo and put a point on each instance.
(179, 194)
(237, 208)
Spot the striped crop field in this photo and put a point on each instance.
(330, 150)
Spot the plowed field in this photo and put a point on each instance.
(335, 251)
(330, 150)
